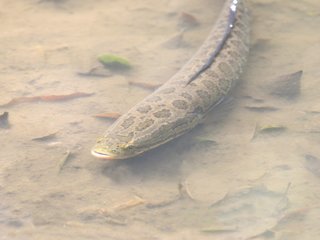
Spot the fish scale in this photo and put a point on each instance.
(185, 99)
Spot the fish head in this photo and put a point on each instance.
(112, 150)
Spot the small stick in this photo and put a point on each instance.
(136, 201)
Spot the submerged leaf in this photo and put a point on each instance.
(187, 21)
(286, 86)
(64, 160)
(98, 71)
(4, 120)
(312, 163)
(271, 130)
(145, 85)
(45, 137)
(264, 235)
(261, 109)
(136, 201)
(248, 212)
(218, 230)
(114, 62)
(46, 98)
(175, 41)
(205, 141)
(110, 115)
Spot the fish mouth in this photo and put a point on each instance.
(102, 155)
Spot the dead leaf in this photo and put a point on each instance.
(218, 230)
(286, 86)
(187, 21)
(312, 163)
(64, 160)
(110, 115)
(175, 41)
(270, 130)
(136, 201)
(248, 212)
(99, 71)
(4, 120)
(145, 85)
(46, 98)
(45, 137)
(261, 108)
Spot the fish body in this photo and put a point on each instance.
(184, 100)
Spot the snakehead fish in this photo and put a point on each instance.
(182, 102)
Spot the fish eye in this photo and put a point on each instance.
(113, 150)
(130, 147)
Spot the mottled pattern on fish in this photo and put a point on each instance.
(182, 102)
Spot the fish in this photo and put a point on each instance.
(186, 98)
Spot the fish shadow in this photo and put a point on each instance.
(163, 163)
(166, 162)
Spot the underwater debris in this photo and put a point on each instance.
(4, 120)
(114, 62)
(312, 163)
(47, 137)
(248, 213)
(98, 71)
(136, 201)
(45, 98)
(205, 141)
(261, 109)
(183, 193)
(110, 115)
(218, 230)
(271, 130)
(187, 21)
(175, 41)
(286, 86)
(145, 85)
(64, 160)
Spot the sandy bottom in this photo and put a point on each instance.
(250, 171)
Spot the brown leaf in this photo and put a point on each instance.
(45, 137)
(175, 41)
(110, 115)
(312, 163)
(45, 98)
(286, 86)
(66, 157)
(270, 130)
(145, 85)
(187, 21)
(4, 120)
(98, 71)
(261, 108)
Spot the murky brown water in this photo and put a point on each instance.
(251, 171)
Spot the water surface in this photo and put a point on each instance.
(250, 171)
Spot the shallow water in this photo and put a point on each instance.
(250, 171)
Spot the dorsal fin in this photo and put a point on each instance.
(229, 27)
